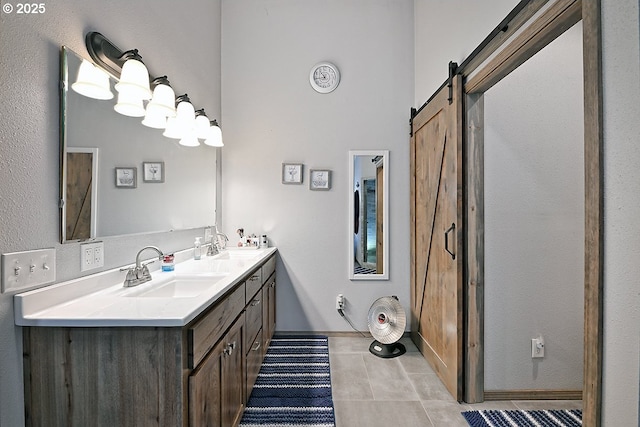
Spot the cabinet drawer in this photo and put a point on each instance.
(254, 283)
(206, 332)
(268, 268)
(254, 362)
(253, 319)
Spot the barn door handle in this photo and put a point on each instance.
(446, 240)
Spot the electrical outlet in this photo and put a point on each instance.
(340, 302)
(91, 256)
(98, 255)
(537, 347)
(86, 257)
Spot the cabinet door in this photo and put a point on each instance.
(268, 312)
(233, 375)
(205, 390)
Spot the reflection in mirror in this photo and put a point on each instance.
(80, 202)
(369, 215)
(93, 206)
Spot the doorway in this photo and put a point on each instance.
(534, 225)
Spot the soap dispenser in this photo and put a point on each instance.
(197, 249)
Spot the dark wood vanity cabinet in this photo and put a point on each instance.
(200, 375)
(216, 386)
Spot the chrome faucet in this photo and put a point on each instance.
(215, 247)
(140, 273)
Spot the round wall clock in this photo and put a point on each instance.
(324, 77)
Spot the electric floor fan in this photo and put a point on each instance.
(386, 323)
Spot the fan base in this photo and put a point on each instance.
(387, 351)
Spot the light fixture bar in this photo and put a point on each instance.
(105, 53)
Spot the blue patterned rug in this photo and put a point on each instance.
(294, 385)
(513, 418)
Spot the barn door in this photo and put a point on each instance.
(436, 230)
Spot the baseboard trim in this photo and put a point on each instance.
(532, 395)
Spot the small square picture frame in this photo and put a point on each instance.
(126, 177)
(153, 172)
(292, 173)
(320, 179)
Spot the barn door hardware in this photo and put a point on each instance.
(446, 240)
(453, 70)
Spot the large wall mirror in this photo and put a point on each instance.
(369, 215)
(119, 177)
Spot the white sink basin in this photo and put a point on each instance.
(177, 287)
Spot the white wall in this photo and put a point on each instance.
(621, 79)
(449, 30)
(272, 115)
(534, 221)
(29, 70)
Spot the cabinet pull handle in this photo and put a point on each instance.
(255, 302)
(254, 278)
(256, 346)
(446, 240)
(229, 349)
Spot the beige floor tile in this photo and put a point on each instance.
(380, 414)
(349, 378)
(388, 379)
(445, 414)
(401, 392)
(429, 387)
(349, 344)
(415, 363)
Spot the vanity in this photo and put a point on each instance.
(183, 349)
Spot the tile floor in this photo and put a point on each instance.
(400, 392)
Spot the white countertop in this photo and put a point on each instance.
(169, 299)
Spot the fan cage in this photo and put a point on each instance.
(387, 320)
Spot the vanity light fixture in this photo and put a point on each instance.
(129, 105)
(161, 106)
(190, 139)
(134, 78)
(214, 138)
(178, 119)
(202, 124)
(184, 122)
(92, 82)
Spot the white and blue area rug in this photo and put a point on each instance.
(294, 385)
(514, 418)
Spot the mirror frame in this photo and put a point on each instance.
(385, 213)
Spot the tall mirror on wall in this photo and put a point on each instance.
(119, 177)
(369, 215)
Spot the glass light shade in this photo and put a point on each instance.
(202, 126)
(164, 99)
(155, 118)
(173, 129)
(214, 139)
(134, 80)
(92, 82)
(183, 123)
(129, 105)
(190, 140)
(186, 114)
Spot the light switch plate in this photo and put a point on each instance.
(27, 269)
